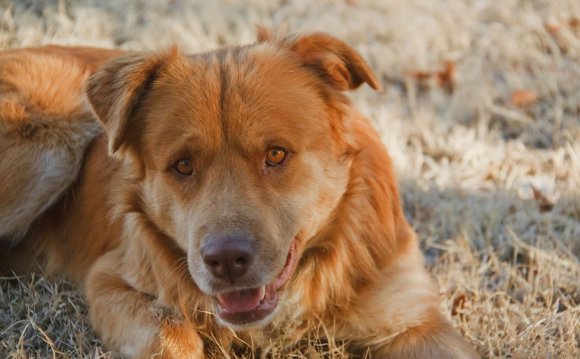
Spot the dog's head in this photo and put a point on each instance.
(243, 154)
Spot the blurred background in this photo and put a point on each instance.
(480, 112)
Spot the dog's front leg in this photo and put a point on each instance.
(399, 316)
(130, 322)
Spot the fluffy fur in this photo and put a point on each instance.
(131, 230)
(44, 128)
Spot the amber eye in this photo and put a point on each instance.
(184, 166)
(275, 156)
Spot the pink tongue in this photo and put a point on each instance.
(240, 300)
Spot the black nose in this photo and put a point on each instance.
(227, 256)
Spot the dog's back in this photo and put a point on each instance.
(45, 127)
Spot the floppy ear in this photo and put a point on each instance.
(118, 89)
(334, 60)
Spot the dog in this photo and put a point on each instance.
(230, 197)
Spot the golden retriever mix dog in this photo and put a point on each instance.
(229, 197)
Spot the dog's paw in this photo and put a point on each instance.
(176, 340)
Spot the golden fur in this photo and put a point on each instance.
(130, 230)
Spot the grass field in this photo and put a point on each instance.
(481, 114)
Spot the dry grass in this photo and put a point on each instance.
(487, 149)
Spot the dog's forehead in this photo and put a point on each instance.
(265, 93)
(245, 96)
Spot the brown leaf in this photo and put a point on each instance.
(552, 28)
(524, 98)
(545, 204)
(422, 75)
(458, 303)
(446, 77)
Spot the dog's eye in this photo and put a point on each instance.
(184, 166)
(275, 156)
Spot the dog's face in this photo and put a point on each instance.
(244, 153)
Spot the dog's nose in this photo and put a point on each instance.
(227, 257)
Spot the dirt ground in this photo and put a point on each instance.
(481, 114)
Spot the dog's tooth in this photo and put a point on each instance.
(262, 292)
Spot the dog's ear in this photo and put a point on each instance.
(118, 89)
(334, 60)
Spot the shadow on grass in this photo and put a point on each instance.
(507, 268)
(494, 219)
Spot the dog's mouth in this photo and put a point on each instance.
(246, 306)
